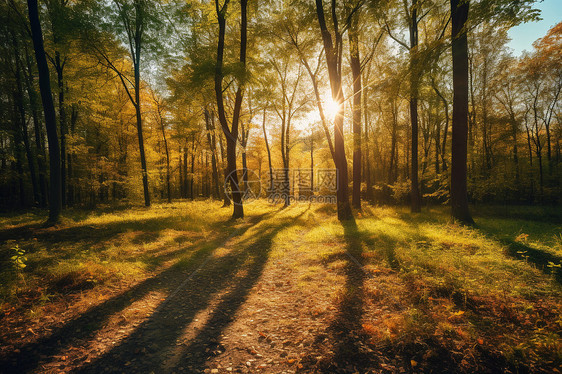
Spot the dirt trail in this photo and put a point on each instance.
(234, 309)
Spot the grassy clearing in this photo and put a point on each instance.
(92, 250)
(392, 290)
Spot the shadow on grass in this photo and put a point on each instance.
(86, 325)
(346, 330)
(541, 259)
(162, 334)
(68, 242)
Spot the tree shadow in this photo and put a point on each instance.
(85, 326)
(165, 335)
(541, 259)
(346, 329)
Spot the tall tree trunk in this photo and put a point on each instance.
(459, 193)
(414, 80)
(168, 171)
(49, 109)
(211, 139)
(70, 158)
(513, 122)
(224, 168)
(268, 151)
(139, 128)
(192, 173)
(333, 60)
(59, 68)
(231, 134)
(357, 88)
(311, 162)
(181, 173)
(38, 133)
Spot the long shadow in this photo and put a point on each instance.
(346, 329)
(88, 323)
(540, 259)
(237, 272)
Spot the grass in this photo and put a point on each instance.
(447, 294)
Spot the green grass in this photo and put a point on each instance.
(490, 285)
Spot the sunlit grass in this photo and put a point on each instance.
(422, 275)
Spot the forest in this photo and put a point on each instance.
(352, 186)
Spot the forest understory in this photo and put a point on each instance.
(175, 289)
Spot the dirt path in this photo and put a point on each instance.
(213, 314)
(289, 291)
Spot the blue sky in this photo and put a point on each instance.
(523, 36)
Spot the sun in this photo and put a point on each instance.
(331, 108)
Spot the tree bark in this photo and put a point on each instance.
(414, 81)
(333, 60)
(268, 151)
(211, 139)
(231, 134)
(357, 88)
(459, 193)
(49, 109)
(38, 133)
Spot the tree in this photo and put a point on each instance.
(133, 18)
(459, 45)
(55, 198)
(231, 133)
(333, 52)
(355, 63)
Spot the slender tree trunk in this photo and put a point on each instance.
(181, 173)
(224, 163)
(312, 161)
(39, 135)
(231, 134)
(139, 128)
(192, 174)
(414, 79)
(211, 139)
(515, 151)
(333, 60)
(59, 68)
(49, 109)
(268, 151)
(168, 172)
(357, 88)
(73, 119)
(459, 193)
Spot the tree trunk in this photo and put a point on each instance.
(49, 109)
(231, 134)
(357, 88)
(70, 156)
(414, 78)
(268, 152)
(333, 60)
(459, 193)
(39, 135)
(211, 139)
(168, 188)
(192, 173)
(59, 68)
(139, 128)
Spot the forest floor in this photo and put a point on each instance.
(180, 288)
